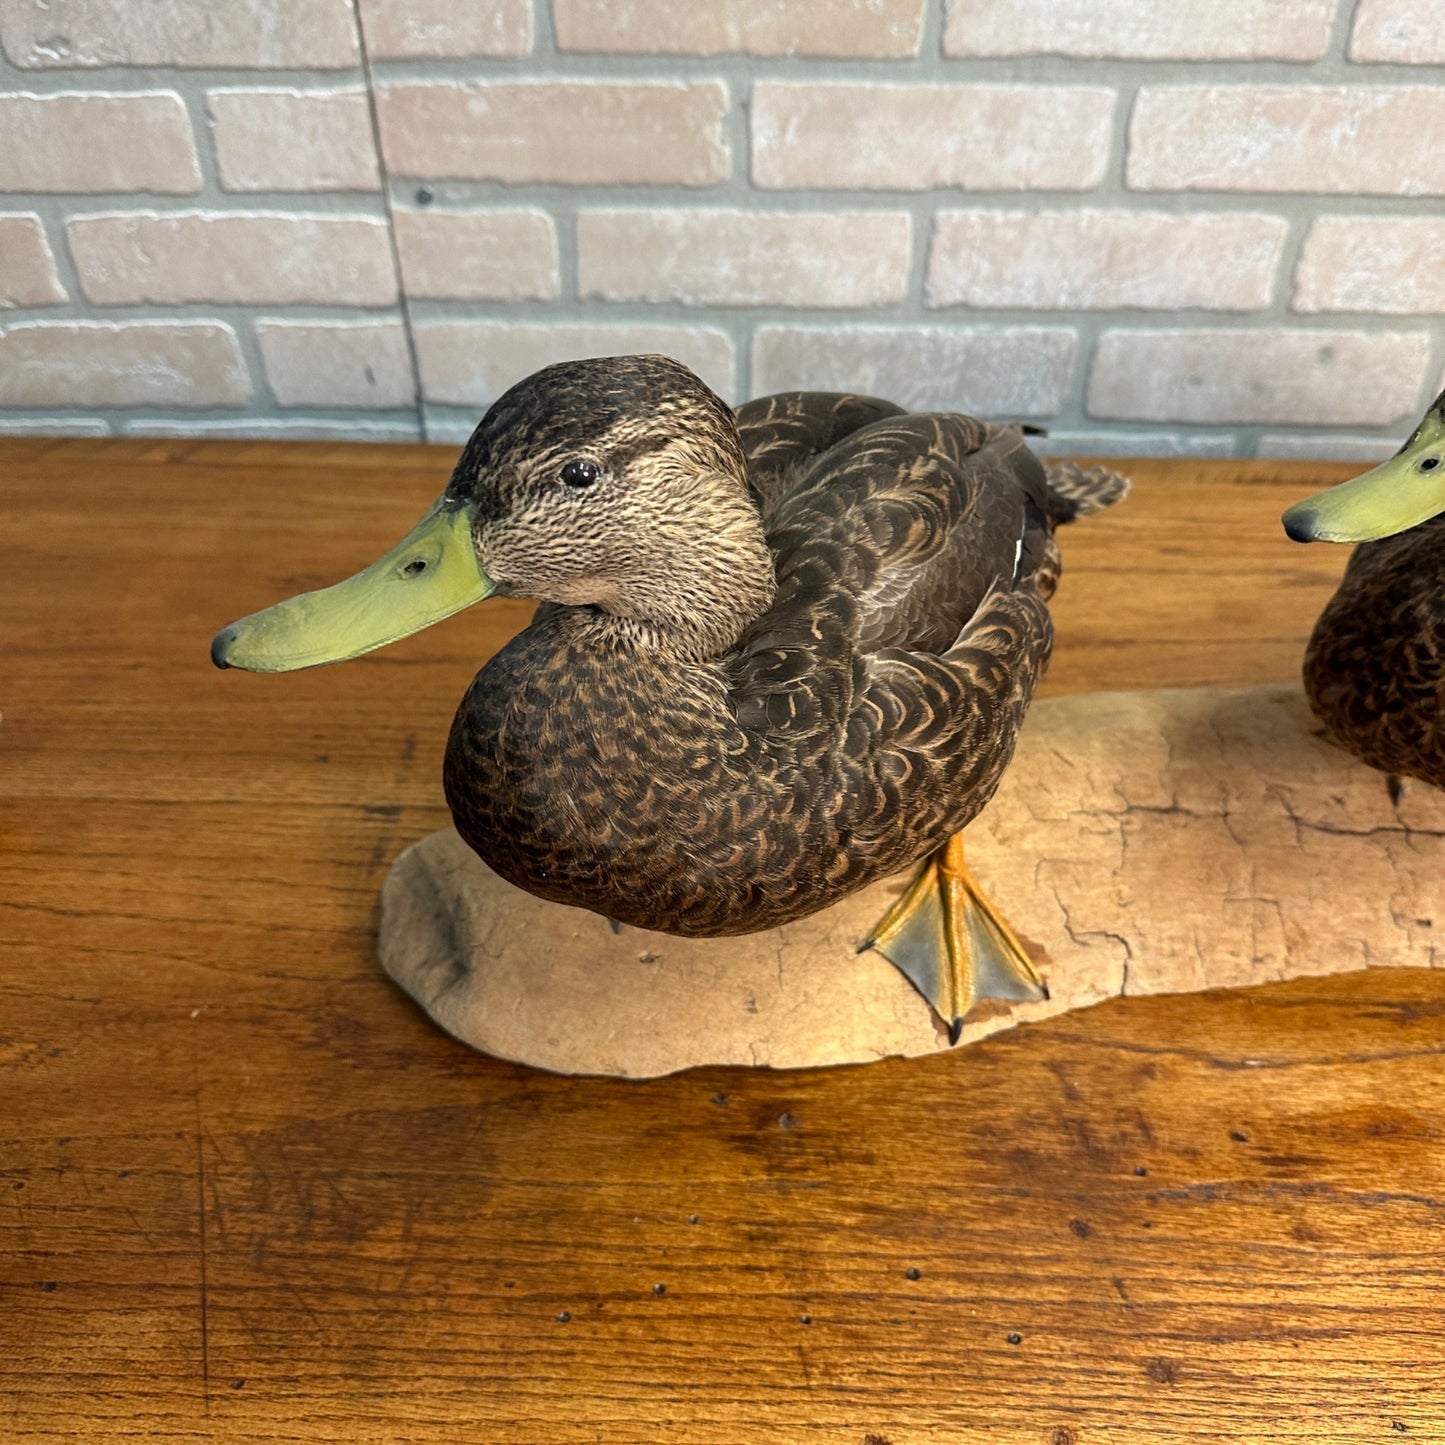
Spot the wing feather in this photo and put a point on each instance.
(907, 632)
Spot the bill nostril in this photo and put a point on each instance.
(414, 568)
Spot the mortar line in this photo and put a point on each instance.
(389, 205)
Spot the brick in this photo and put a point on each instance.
(1341, 140)
(273, 258)
(1405, 32)
(1339, 378)
(53, 426)
(337, 363)
(478, 255)
(127, 363)
(27, 264)
(1141, 29)
(471, 363)
(843, 29)
(444, 29)
(1097, 260)
(745, 258)
(926, 137)
(1134, 444)
(450, 430)
(327, 145)
(572, 131)
(140, 141)
(1019, 371)
(263, 428)
(1382, 264)
(283, 34)
(1327, 447)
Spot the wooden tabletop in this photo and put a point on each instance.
(249, 1194)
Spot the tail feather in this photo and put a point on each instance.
(1076, 491)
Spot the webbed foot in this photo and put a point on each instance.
(952, 944)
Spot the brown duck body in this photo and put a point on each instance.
(1375, 667)
(861, 715)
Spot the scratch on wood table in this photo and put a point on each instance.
(1168, 1219)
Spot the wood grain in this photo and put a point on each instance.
(248, 1194)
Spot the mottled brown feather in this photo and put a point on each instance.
(866, 715)
(1375, 666)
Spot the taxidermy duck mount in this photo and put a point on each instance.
(783, 653)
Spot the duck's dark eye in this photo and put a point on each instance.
(580, 473)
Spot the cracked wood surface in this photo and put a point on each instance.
(1141, 843)
(248, 1194)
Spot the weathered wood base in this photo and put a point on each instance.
(1148, 842)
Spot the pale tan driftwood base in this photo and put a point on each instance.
(1153, 842)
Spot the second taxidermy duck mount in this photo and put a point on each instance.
(1375, 667)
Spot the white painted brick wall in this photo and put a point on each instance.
(126, 363)
(1018, 371)
(471, 363)
(337, 363)
(27, 264)
(1389, 264)
(477, 255)
(1344, 140)
(835, 29)
(1085, 260)
(294, 140)
(1151, 225)
(239, 34)
(1352, 377)
(446, 29)
(706, 257)
(173, 258)
(576, 132)
(93, 142)
(1141, 29)
(1406, 32)
(874, 137)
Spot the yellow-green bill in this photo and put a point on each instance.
(432, 573)
(1399, 494)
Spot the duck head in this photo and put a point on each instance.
(1398, 494)
(618, 483)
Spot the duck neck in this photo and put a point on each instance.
(705, 576)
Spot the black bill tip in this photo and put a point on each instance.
(1300, 524)
(221, 645)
